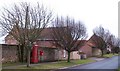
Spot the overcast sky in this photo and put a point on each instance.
(92, 13)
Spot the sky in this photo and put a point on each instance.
(92, 13)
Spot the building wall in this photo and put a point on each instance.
(96, 52)
(75, 55)
(9, 53)
(63, 55)
(53, 54)
(49, 54)
(87, 50)
(60, 54)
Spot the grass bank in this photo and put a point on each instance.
(57, 65)
(109, 55)
(12, 64)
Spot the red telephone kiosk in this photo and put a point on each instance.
(34, 54)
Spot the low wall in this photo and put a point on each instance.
(9, 53)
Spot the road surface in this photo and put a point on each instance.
(104, 65)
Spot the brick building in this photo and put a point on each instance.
(59, 54)
(46, 42)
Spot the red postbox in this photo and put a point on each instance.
(34, 55)
(41, 53)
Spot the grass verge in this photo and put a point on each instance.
(109, 55)
(58, 65)
(118, 69)
(12, 64)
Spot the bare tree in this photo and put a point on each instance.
(109, 38)
(66, 34)
(99, 43)
(25, 23)
(117, 46)
(115, 43)
(104, 35)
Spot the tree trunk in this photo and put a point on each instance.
(28, 58)
(68, 60)
(102, 53)
(113, 51)
(21, 53)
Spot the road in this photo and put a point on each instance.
(110, 63)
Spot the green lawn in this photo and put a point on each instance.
(109, 55)
(57, 65)
(12, 64)
(118, 69)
